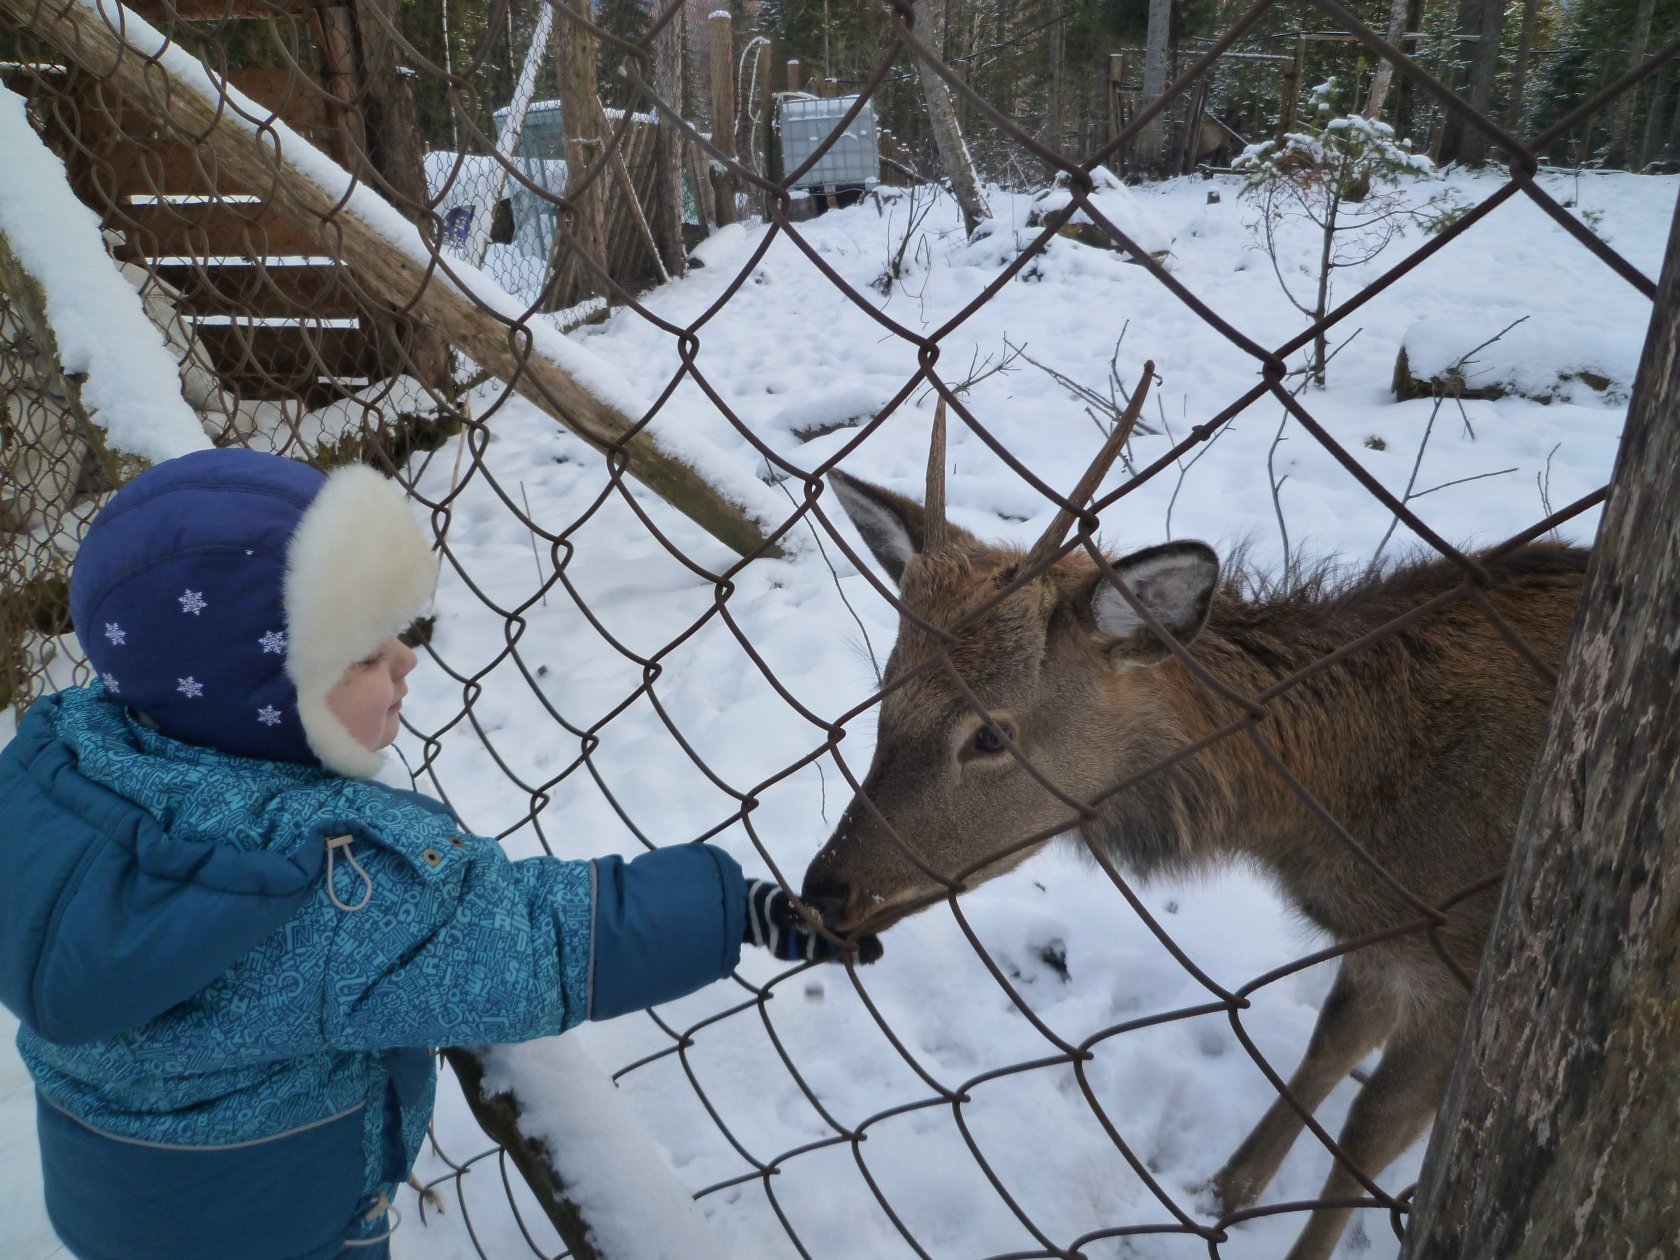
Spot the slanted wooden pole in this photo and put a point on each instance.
(1557, 1134)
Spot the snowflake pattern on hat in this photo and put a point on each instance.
(111, 684)
(273, 641)
(115, 633)
(268, 715)
(189, 687)
(192, 602)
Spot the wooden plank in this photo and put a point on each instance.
(212, 230)
(322, 291)
(160, 12)
(289, 357)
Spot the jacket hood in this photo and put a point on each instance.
(222, 595)
(106, 918)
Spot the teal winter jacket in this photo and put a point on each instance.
(228, 1007)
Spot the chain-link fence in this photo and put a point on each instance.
(308, 320)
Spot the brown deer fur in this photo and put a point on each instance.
(1420, 745)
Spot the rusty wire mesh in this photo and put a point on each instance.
(283, 346)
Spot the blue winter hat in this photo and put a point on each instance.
(223, 594)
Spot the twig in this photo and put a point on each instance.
(532, 537)
(1545, 487)
(1410, 481)
(1459, 481)
(833, 573)
(1277, 495)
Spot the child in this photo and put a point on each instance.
(230, 951)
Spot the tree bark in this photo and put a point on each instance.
(954, 156)
(1556, 1137)
(1383, 75)
(385, 266)
(1484, 20)
(1154, 82)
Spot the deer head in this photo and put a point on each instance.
(1006, 703)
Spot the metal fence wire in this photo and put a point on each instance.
(293, 334)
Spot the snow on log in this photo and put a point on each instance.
(613, 1173)
(105, 343)
(390, 259)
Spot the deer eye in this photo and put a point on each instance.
(987, 740)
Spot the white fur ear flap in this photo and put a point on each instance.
(885, 520)
(1175, 582)
(358, 570)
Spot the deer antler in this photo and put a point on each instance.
(934, 532)
(1045, 549)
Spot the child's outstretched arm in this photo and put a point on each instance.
(463, 946)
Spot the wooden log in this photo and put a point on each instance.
(1557, 1134)
(385, 265)
(498, 1116)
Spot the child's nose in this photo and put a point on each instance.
(404, 660)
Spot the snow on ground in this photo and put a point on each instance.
(794, 358)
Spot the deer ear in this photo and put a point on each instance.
(891, 524)
(1175, 582)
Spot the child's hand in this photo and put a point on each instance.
(773, 923)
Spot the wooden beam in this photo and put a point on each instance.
(388, 266)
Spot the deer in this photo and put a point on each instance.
(1052, 691)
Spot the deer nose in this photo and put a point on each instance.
(827, 897)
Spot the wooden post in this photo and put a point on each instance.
(570, 280)
(720, 35)
(794, 82)
(1557, 1134)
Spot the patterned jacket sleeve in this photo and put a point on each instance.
(473, 948)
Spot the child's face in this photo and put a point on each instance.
(368, 699)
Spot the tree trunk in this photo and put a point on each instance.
(571, 279)
(1053, 77)
(395, 150)
(668, 162)
(1484, 20)
(1519, 69)
(1556, 1137)
(1154, 83)
(1383, 75)
(947, 136)
(1617, 154)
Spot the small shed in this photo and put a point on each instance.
(540, 157)
(851, 165)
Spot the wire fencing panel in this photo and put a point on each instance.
(287, 341)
